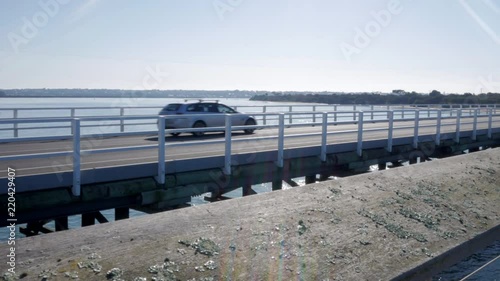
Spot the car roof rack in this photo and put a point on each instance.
(201, 100)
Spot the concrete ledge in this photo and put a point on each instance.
(376, 226)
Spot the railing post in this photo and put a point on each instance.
(415, 129)
(314, 114)
(76, 157)
(474, 126)
(490, 123)
(438, 127)
(457, 131)
(390, 130)
(281, 140)
(335, 113)
(122, 122)
(72, 113)
(324, 137)
(403, 113)
(264, 119)
(371, 108)
(354, 113)
(290, 121)
(161, 150)
(227, 153)
(16, 130)
(360, 134)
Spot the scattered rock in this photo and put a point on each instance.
(114, 273)
(199, 268)
(47, 274)
(203, 246)
(8, 276)
(165, 271)
(72, 274)
(210, 265)
(94, 266)
(94, 256)
(301, 228)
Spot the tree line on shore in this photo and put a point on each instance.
(117, 93)
(435, 97)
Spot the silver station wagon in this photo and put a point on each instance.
(203, 114)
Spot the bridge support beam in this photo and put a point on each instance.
(35, 227)
(310, 179)
(416, 156)
(474, 149)
(277, 183)
(247, 190)
(88, 219)
(413, 160)
(396, 164)
(100, 218)
(121, 213)
(382, 166)
(61, 223)
(291, 182)
(323, 177)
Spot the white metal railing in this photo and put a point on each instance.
(102, 127)
(459, 120)
(121, 124)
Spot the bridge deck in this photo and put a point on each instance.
(369, 227)
(253, 145)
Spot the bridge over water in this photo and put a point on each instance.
(84, 172)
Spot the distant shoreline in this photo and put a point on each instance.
(377, 99)
(109, 97)
(111, 93)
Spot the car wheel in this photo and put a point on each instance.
(199, 124)
(250, 122)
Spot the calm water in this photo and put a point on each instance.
(467, 266)
(39, 129)
(105, 126)
(455, 273)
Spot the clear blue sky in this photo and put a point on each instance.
(448, 45)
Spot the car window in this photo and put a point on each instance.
(225, 109)
(211, 108)
(172, 107)
(198, 107)
(192, 108)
